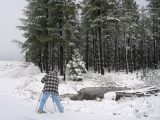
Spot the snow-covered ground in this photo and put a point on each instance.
(20, 88)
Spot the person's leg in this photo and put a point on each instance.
(56, 99)
(43, 101)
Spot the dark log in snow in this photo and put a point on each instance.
(92, 93)
(147, 91)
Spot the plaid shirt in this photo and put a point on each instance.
(51, 83)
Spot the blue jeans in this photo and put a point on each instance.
(55, 99)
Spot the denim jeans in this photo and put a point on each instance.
(55, 99)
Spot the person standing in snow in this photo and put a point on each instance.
(51, 83)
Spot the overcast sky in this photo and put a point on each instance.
(10, 12)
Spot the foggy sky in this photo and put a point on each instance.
(10, 12)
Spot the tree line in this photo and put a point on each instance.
(110, 34)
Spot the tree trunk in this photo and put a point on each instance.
(87, 50)
(115, 53)
(100, 49)
(94, 51)
(46, 58)
(108, 58)
(61, 60)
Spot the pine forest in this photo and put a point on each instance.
(111, 35)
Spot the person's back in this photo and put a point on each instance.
(51, 83)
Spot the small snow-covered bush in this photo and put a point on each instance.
(152, 77)
(76, 67)
(110, 96)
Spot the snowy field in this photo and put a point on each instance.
(20, 88)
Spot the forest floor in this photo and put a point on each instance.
(20, 88)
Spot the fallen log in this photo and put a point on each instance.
(92, 93)
(147, 91)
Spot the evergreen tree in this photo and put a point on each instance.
(76, 67)
(154, 9)
(48, 30)
(129, 28)
(111, 34)
(145, 48)
(93, 21)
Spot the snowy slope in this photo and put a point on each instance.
(20, 89)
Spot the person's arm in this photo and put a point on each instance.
(44, 79)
